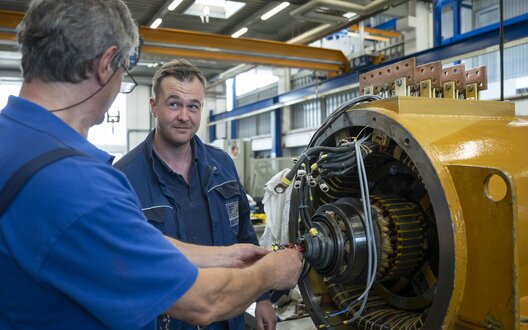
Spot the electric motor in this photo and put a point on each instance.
(412, 211)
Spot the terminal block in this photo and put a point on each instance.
(428, 80)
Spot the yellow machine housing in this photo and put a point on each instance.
(471, 157)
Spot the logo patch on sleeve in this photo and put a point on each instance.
(232, 212)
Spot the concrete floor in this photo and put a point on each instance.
(303, 323)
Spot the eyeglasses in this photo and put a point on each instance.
(133, 59)
(135, 53)
(127, 87)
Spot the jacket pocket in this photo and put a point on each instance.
(162, 217)
(228, 189)
(230, 197)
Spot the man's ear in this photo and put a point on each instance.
(104, 67)
(153, 109)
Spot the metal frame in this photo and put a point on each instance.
(234, 123)
(182, 43)
(514, 29)
(212, 128)
(456, 7)
(219, 47)
(276, 136)
(288, 98)
(388, 25)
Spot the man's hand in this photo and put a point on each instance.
(284, 266)
(234, 256)
(265, 315)
(222, 293)
(243, 255)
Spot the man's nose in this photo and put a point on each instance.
(183, 114)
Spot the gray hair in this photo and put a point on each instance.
(61, 39)
(180, 69)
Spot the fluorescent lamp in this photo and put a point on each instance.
(240, 32)
(376, 38)
(156, 23)
(274, 10)
(174, 4)
(217, 8)
(350, 15)
(368, 36)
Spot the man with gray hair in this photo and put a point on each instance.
(75, 249)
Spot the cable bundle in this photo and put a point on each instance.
(372, 261)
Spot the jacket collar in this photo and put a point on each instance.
(150, 149)
(40, 119)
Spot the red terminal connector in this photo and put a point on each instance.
(276, 247)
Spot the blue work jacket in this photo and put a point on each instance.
(69, 240)
(228, 204)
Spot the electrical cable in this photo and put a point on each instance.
(89, 96)
(338, 112)
(335, 158)
(345, 163)
(286, 181)
(372, 254)
(337, 161)
(305, 216)
(345, 158)
(369, 221)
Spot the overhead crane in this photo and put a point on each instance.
(190, 44)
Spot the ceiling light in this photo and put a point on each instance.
(274, 11)
(350, 15)
(206, 13)
(156, 23)
(376, 38)
(240, 32)
(367, 36)
(174, 4)
(217, 9)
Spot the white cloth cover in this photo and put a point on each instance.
(290, 306)
(277, 209)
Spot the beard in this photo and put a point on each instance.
(172, 136)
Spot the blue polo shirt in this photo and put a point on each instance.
(189, 198)
(75, 249)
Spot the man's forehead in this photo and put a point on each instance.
(169, 80)
(171, 85)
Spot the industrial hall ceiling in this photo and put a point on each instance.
(201, 30)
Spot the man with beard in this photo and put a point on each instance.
(188, 190)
